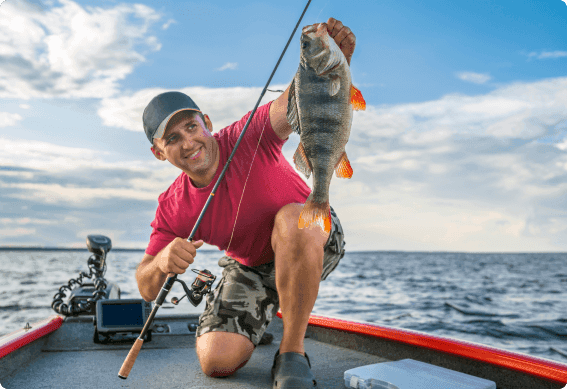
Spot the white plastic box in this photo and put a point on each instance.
(411, 374)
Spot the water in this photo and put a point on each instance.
(516, 302)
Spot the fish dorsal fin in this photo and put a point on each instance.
(343, 168)
(301, 162)
(356, 99)
(334, 85)
(292, 114)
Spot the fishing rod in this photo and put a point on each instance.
(133, 354)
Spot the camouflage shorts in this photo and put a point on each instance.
(245, 299)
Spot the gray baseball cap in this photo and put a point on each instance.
(161, 109)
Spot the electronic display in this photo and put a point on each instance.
(128, 315)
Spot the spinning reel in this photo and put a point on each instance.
(199, 288)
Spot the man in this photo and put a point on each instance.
(269, 262)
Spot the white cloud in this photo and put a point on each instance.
(25, 220)
(228, 65)
(477, 78)
(548, 54)
(24, 106)
(19, 231)
(521, 110)
(143, 181)
(168, 23)
(8, 119)
(70, 51)
(223, 105)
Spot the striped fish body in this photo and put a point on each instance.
(320, 110)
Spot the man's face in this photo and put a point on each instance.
(189, 145)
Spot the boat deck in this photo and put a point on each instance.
(62, 354)
(70, 359)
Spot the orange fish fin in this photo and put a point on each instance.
(356, 99)
(301, 162)
(343, 168)
(315, 213)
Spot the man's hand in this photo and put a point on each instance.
(343, 36)
(177, 256)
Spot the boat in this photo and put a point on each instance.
(68, 351)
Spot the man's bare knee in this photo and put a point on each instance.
(287, 233)
(222, 353)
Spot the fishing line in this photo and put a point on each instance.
(322, 10)
(245, 182)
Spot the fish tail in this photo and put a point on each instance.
(315, 213)
(356, 99)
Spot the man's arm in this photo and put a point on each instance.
(346, 41)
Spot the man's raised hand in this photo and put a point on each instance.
(343, 36)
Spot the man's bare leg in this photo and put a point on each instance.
(299, 264)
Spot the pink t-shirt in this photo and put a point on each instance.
(272, 184)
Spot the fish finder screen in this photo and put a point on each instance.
(115, 315)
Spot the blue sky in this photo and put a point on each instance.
(463, 146)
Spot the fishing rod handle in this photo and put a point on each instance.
(133, 354)
(130, 359)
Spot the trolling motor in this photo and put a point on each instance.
(84, 295)
(200, 287)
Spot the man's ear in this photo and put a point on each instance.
(159, 155)
(208, 123)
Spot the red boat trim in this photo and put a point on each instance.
(20, 338)
(550, 370)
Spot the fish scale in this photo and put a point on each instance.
(320, 106)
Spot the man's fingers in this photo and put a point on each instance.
(347, 46)
(343, 33)
(177, 265)
(198, 244)
(337, 26)
(331, 24)
(189, 247)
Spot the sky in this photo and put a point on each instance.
(462, 147)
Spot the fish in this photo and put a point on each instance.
(320, 108)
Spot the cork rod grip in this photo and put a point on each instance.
(130, 359)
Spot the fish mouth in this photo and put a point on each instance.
(309, 29)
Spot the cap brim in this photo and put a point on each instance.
(161, 129)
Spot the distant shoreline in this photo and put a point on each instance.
(23, 248)
(36, 248)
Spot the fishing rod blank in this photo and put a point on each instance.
(133, 354)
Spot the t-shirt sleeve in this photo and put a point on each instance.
(260, 125)
(162, 233)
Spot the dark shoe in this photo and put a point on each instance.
(266, 338)
(292, 370)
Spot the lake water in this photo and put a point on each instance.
(516, 302)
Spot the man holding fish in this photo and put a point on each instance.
(277, 250)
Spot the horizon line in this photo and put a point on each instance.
(55, 248)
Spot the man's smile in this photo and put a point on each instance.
(196, 154)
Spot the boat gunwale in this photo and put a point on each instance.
(20, 338)
(534, 366)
